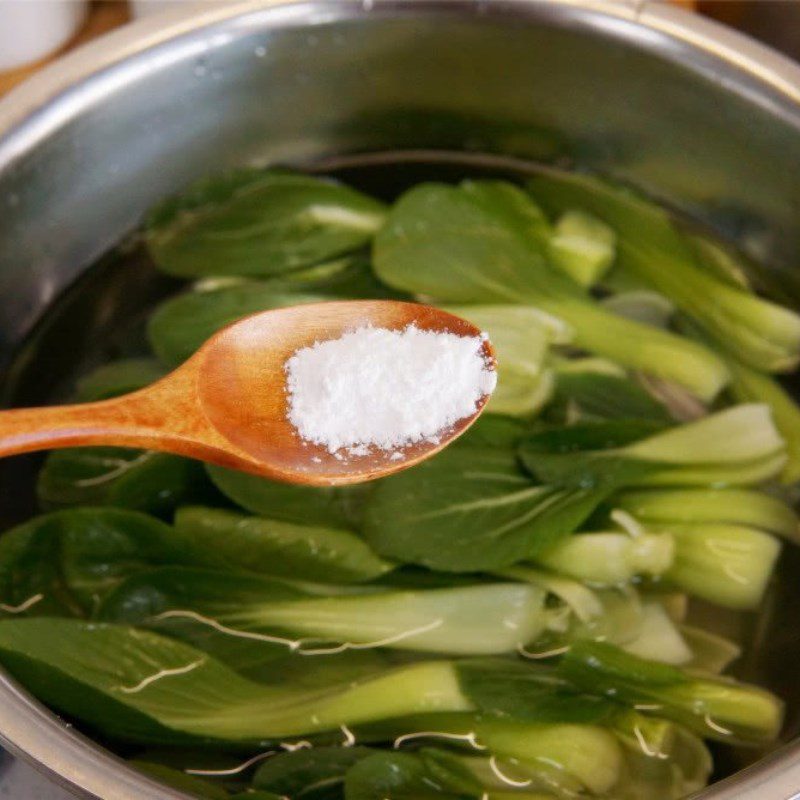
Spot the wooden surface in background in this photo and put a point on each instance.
(103, 15)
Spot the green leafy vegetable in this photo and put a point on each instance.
(482, 619)
(751, 386)
(485, 241)
(710, 653)
(285, 549)
(715, 708)
(141, 480)
(398, 776)
(521, 337)
(529, 692)
(64, 562)
(617, 615)
(137, 479)
(727, 564)
(566, 758)
(650, 246)
(259, 223)
(583, 246)
(335, 507)
(493, 430)
(519, 601)
(737, 446)
(470, 509)
(609, 558)
(664, 773)
(585, 394)
(314, 774)
(641, 305)
(659, 638)
(746, 507)
(141, 686)
(180, 325)
(118, 377)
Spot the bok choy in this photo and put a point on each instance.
(651, 247)
(470, 620)
(512, 619)
(739, 446)
(485, 241)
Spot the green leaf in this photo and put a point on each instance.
(588, 395)
(610, 558)
(314, 774)
(193, 605)
(750, 386)
(521, 337)
(587, 454)
(583, 246)
(118, 377)
(493, 430)
(651, 247)
(285, 549)
(485, 242)
(528, 692)
(568, 758)
(396, 776)
(734, 506)
(137, 479)
(479, 242)
(729, 565)
(334, 507)
(663, 771)
(143, 687)
(141, 480)
(259, 223)
(322, 672)
(710, 653)
(617, 615)
(181, 324)
(641, 305)
(584, 603)
(471, 620)
(659, 638)
(72, 558)
(736, 446)
(713, 707)
(470, 509)
(720, 259)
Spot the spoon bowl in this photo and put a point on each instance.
(228, 403)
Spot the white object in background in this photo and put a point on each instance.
(32, 29)
(146, 8)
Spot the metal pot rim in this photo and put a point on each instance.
(33, 111)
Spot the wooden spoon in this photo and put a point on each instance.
(227, 404)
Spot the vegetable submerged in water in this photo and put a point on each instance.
(509, 619)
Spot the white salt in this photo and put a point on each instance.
(374, 387)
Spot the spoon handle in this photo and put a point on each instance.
(165, 416)
(109, 422)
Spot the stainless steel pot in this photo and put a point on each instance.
(696, 114)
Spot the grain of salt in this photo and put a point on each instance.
(384, 389)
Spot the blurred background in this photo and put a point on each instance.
(34, 32)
